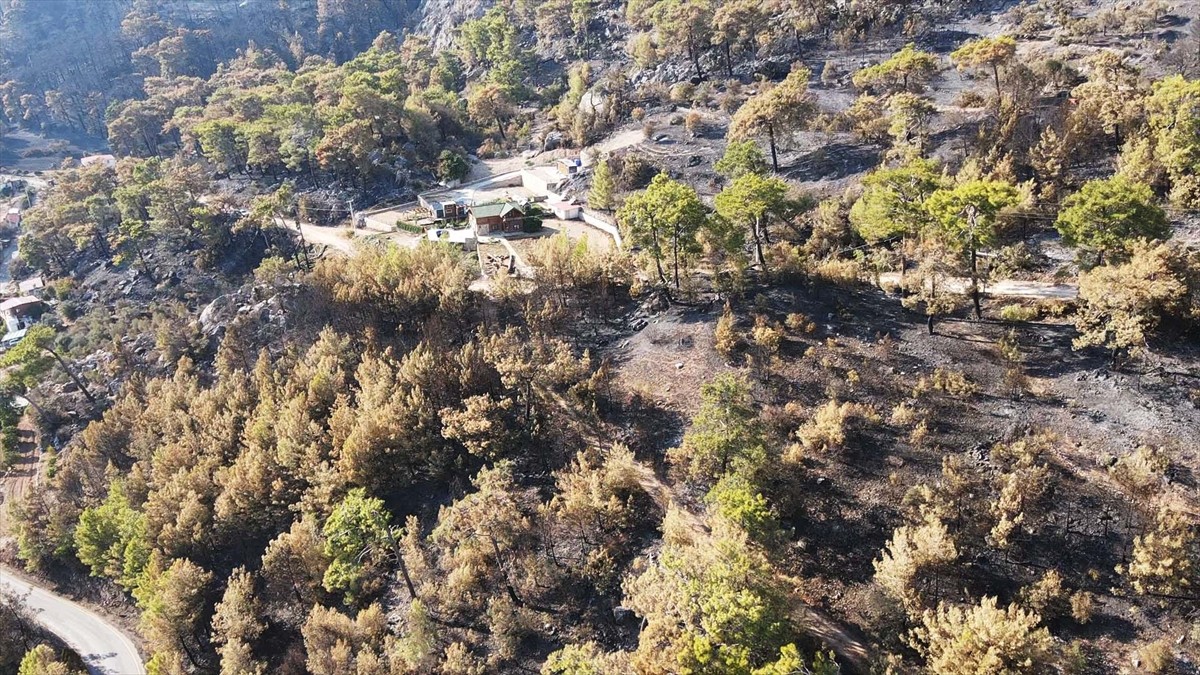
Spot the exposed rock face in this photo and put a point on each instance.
(439, 18)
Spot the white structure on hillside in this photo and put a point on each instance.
(545, 181)
(565, 210)
(21, 313)
(463, 238)
(109, 161)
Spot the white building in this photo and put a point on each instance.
(20, 313)
(543, 180)
(565, 210)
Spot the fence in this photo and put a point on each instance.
(603, 223)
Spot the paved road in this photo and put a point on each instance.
(105, 649)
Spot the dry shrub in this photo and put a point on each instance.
(489, 148)
(638, 113)
(1015, 381)
(725, 336)
(919, 434)
(800, 323)
(904, 414)
(1164, 559)
(786, 260)
(766, 337)
(830, 74)
(884, 346)
(1083, 606)
(837, 272)
(1009, 347)
(682, 92)
(1156, 658)
(970, 99)
(782, 419)
(1018, 312)
(1046, 595)
(766, 334)
(827, 430)
(1141, 472)
(951, 382)
(915, 555)
(648, 129)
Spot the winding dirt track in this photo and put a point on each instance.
(22, 476)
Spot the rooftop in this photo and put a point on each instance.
(31, 284)
(23, 301)
(496, 209)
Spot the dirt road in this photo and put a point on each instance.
(1004, 288)
(341, 239)
(34, 182)
(332, 237)
(22, 476)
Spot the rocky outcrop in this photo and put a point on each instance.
(439, 18)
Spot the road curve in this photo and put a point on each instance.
(104, 648)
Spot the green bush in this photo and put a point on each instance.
(1017, 312)
(405, 226)
(9, 445)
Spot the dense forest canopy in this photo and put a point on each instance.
(872, 351)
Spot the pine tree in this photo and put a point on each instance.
(604, 184)
(238, 623)
(984, 639)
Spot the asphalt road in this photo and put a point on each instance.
(105, 649)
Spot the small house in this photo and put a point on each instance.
(20, 313)
(569, 166)
(497, 217)
(565, 210)
(443, 208)
(13, 217)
